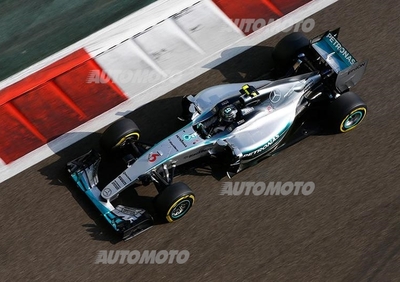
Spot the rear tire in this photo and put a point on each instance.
(174, 201)
(288, 48)
(118, 133)
(346, 112)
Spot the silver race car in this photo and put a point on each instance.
(238, 124)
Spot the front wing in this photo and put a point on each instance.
(128, 221)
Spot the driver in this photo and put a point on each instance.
(228, 113)
(218, 123)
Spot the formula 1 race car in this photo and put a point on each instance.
(238, 124)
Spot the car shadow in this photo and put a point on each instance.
(246, 66)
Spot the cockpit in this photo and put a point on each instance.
(230, 113)
(221, 119)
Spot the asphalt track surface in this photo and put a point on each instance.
(346, 230)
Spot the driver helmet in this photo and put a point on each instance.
(228, 113)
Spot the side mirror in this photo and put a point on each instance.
(222, 143)
(190, 98)
(192, 108)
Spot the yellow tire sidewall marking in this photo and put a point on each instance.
(353, 111)
(176, 203)
(123, 139)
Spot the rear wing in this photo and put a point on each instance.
(349, 71)
(332, 51)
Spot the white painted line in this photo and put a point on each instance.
(206, 28)
(180, 33)
(145, 57)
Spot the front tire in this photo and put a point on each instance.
(346, 112)
(118, 133)
(174, 201)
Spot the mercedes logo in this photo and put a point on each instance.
(106, 192)
(275, 96)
